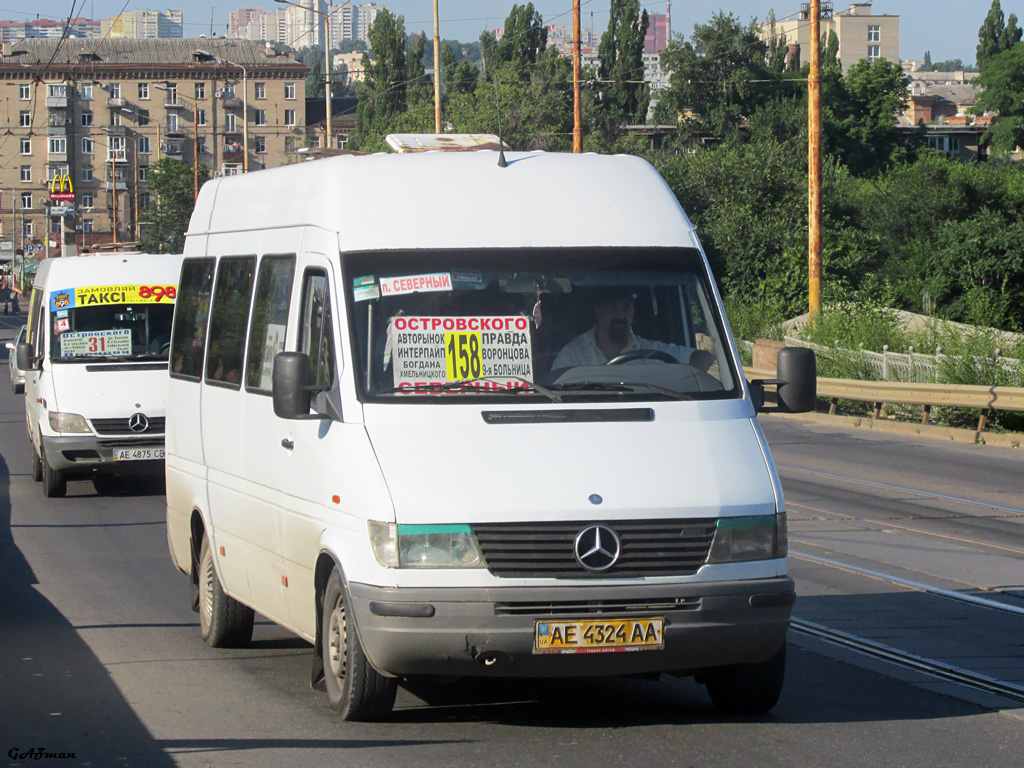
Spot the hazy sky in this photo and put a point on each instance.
(948, 28)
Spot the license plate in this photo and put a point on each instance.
(137, 454)
(605, 635)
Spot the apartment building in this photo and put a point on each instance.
(103, 112)
(301, 24)
(12, 31)
(862, 33)
(143, 25)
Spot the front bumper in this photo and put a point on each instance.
(490, 632)
(83, 453)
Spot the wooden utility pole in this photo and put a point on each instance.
(437, 71)
(577, 108)
(814, 163)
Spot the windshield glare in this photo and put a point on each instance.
(111, 331)
(606, 324)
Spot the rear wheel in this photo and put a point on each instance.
(55, 485)
(355, 690)
(747, 688)
(223, 621)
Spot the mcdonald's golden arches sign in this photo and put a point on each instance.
(61, 189)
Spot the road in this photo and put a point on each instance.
(101, 654)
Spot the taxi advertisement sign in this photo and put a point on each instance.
(100, 295)
(430, 351)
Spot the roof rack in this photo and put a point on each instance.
(404, 143)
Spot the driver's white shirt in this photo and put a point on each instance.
(583, 350)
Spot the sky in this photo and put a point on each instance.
(948, 28)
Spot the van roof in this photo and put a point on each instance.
(108, 269)
(454, 200)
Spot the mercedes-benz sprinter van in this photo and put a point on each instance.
(502, 430)
(95, 362)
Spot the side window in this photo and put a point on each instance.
(191, 314)
(316, 335)
(34, 308)
(269, 320)
(229, 320)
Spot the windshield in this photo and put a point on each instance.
(562, 324)
(111, 323)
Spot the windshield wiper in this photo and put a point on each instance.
(467, 386)
(619, 386)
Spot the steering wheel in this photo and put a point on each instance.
(643, 354)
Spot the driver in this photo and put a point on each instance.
(612, 335)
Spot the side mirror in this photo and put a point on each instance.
(26, 357)
(291, 376)
(798, 380)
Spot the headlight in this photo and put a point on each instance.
(424, 546)
(68, 422)
(742, 539)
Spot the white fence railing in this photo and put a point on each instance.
(912, 367)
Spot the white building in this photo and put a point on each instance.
(302, 24)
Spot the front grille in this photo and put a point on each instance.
(545, 550)
(150, 443)
(656, 605)
(120, 426)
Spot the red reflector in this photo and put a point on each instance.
(222, 551)
(336, 499)
(284, 581)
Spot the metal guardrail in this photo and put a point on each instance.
(880, 393)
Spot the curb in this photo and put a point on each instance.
(1010, 440)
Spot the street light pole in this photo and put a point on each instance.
(814, 164)
(437, 71)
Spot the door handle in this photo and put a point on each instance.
(286, 443)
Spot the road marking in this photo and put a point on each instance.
(901, 489)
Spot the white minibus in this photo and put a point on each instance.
(498, 429)
(95, 362)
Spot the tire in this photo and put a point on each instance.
(55, 484)
(37, 466)
(749, 689)
(223, 621)
(355, 690)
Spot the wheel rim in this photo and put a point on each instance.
(336, 640)
(206, 592)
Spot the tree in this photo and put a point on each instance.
(419, 88)
(522, 40)
(624, 94)
(163, 224)
(1002, 90)
(383, 96)
(718, 77)
(926, 65)
(458, 77)
(995, 37)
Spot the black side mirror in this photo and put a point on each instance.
(26, 357)
(291, 376)
(798, 380)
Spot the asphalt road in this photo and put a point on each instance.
(101, 657)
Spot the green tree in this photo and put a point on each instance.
(864, 107)
(996, 36)
(522, 40)
(623, 93)
(926, 65)
(457, 77)
(1002, 91)
(383, 95)
(164, 222)
(718, 76)
(419, 88)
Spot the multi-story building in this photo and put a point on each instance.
(659, 32)
(103, 112)
(301, 24)
(12, 31)
(143, 25)
(862, 34)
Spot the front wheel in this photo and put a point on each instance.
(750, 689)
(223, 621)
(355, 690)
(37, 466)
(55, 485)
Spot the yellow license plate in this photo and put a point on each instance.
(598, 636)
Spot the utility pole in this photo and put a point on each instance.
(437, 71)
(577, 107)
(814, 164)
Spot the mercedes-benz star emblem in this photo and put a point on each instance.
(597, 548)
(138, 422)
